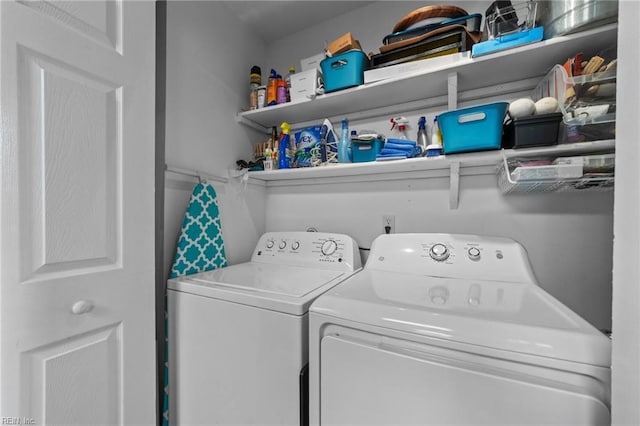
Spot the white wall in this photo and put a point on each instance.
(209, 55)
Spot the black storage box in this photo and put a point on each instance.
(537, 130)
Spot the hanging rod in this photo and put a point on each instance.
(196, 174)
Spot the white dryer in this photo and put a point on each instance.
(452, 329)
(238, 336)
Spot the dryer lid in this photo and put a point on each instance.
(288, 289)
(515, 317)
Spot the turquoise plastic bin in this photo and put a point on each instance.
(365, 151)
(476, 128)
(344, 70)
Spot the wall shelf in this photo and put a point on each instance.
(495, 71)
(484, 162)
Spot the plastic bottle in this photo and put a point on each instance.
(274, 149)
(435, 148)
(292, 70)
(354, 135)
(345, 143)
(422, 138)
(255, 80)
(272, 88)
(401, 123)
(281, 90)
(284, 149)
(436, 136)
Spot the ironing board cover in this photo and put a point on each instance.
(200, 248)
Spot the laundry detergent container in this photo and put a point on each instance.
(476, 128)
(344, 70)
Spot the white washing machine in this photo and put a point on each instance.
(452, 329)
(238, 336)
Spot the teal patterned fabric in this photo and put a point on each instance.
(200, 248)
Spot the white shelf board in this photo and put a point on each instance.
(418, 167)
(521, 63)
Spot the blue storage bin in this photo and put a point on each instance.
(363, 151)
(476, 128)
(344, 70)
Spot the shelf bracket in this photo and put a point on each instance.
(452, 91)
(454, 184)
(242, 120)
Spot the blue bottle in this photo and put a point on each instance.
(344, 144)
(284, 150)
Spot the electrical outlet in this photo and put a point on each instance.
(388, 224)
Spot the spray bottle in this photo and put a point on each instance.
(435, 148)
(401, 123)
(345, 143)
(422, 138)
(284, 150)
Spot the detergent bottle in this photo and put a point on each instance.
(284, 149)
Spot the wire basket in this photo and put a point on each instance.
(551, 180)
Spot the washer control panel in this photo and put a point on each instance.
(315, 249)
(452, 256)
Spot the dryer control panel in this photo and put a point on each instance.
(308, 249)
(452, 256)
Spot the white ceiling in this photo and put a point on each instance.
(274, 19)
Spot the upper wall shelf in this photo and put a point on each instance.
(522, 63)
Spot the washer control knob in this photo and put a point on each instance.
(474, 253)
(295, 245)
(282, 244)
(439, 252)
(329, 247)
(270, 244)
(439, 295)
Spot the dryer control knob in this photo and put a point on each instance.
(329, 247)
(439, 252)
(282, 244)
(295, 245)
(270, 244)
(474, 253)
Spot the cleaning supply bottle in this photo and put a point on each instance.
(345, 143)
(401, 123)
(436, 135)
(435, 148)
(284, 147)
(422, 138)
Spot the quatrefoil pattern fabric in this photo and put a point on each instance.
(200, 247)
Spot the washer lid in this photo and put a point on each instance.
(288, 289)
(515, 317)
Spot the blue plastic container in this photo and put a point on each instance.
(364, 151)
(477, 128)
(343, 71)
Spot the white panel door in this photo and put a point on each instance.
(76, 215)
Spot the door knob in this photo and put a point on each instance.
(81, 307)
